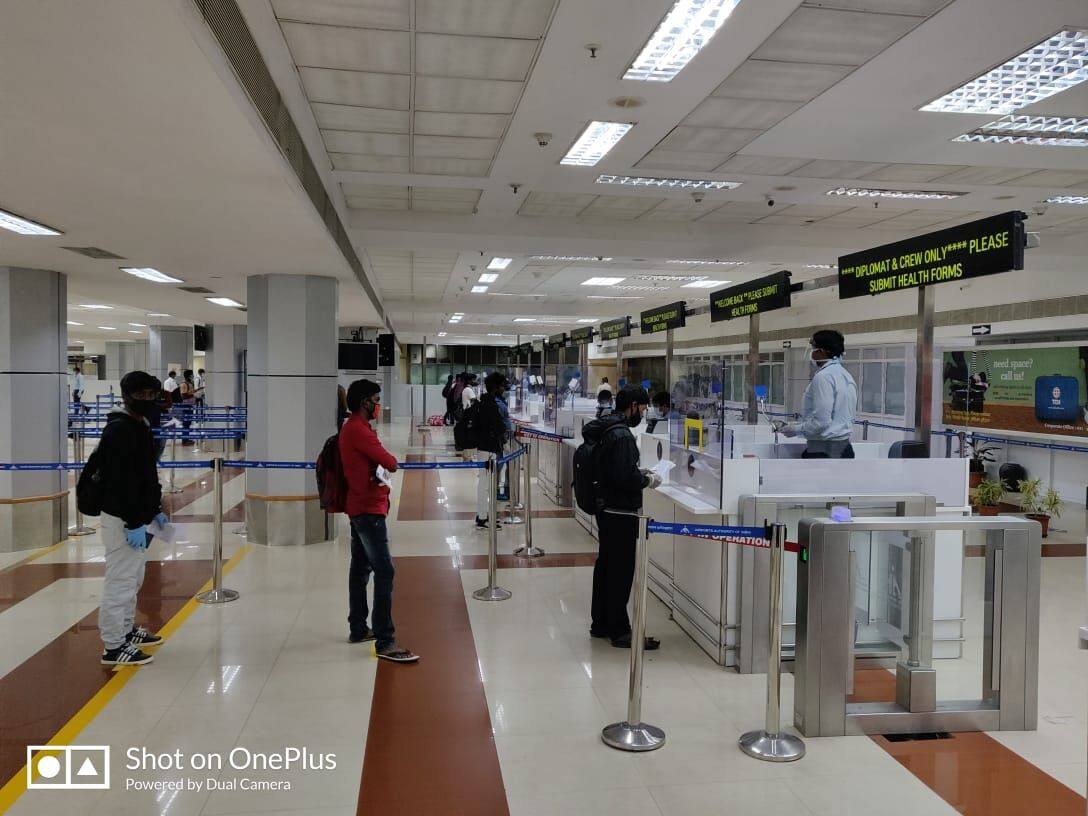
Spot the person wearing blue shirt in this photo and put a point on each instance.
(830, 402)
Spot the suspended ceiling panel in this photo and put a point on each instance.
(352, 49)
(369, 164)
(707, 140)
(473, 57)
(833, 37)
(912, 173)
(498, 18)
(480, 125)
(350, 117)
(781, 81)
(451, 167)
(388, 91)
(660, 159)
(466, 95)
(762, 165)
(454, 147)
(377, 144)
(719, 112)
(358, 13)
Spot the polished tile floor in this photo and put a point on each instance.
(506, 707)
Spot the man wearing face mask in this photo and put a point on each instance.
(130, 500)
(362, 453)
(830, 401)
(619, 486)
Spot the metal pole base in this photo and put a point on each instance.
(772, 747)
(518, 506)
(241, 531)
(80, 530)
(217, 596)
(492, 593)
(512, 518)
(528, 552)
(626, 737)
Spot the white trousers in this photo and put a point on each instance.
(124, 577)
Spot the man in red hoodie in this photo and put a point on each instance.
(367, 506)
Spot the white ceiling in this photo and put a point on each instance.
(421, 116)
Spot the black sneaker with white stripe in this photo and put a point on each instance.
(139, 636)
(127, 655)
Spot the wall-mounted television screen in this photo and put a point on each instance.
(357, 356)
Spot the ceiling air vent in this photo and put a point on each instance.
(196, 290)
(95, 252)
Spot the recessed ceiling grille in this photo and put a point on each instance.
(198, 290)
(95, 252)
(226, 22)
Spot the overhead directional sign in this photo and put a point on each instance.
(558, 340)
(984, 247)
(662, 318)
(615, 329)
(754, 297)
(580, 337)
(980, 330)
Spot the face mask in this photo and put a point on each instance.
(634, 420)
(375, 411)
(813, 361)
(141, 407)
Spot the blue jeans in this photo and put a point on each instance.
(370, 553)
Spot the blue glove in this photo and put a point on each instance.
(162, 519)
(137, 539)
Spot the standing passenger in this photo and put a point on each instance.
(830, 402)
(493, 427)
(367, 506)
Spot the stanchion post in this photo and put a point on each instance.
(772, 743)
(242, 530)
(513, 490)
(528, 551)
(491, 592)
(79, 529)
(633, 734)
(865, 430)
(173, 458)
(217, 594)
(515, 481)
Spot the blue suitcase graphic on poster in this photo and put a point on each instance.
(1057, 398)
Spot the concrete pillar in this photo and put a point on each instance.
(123, 357)
(291, 383)
(224, 364)
(169, 346)
(33, 416)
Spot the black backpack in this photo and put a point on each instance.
(586, 494)
(90, 488)
(332, 484)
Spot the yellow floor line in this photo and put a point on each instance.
(16, 786)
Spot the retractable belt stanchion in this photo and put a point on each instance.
(217, 595)
(491, 592)
(79, 529)
(772, 743)
(173, 458)
(632, 734)
(513, 491)
(528, 551)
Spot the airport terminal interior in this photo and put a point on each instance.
(693, 392)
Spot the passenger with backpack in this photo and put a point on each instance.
(120, 484)
(492, 428)
(464, 434)
(367, 505)
(607, 477)
(447, 395)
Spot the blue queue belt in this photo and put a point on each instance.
(749, 536)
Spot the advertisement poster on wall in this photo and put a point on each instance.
(1027, 389)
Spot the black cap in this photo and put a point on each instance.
(139, 381)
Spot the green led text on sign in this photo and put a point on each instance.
(984, 247)
(667, 317)
(755, 297)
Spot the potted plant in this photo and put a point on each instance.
(981, 453)
(1049, 507)
(988, 497)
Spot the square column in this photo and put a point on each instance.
(225, 365)
(291, 384)
(33, 406)
(169, 346)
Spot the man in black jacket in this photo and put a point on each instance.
(619, 487)
(492, 429)
(131, 499)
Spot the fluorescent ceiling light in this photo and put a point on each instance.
(496, 334)
(499, 263)
(1067, 199)
(224, 301)
(134, 331)
(593, 258)
(602, 281)
(157, 314)
(679, 183)
(1058, 62)
(488, 277)
(821, 266)
(706, 262)
(24, 226)
(94, 306)
(442, 334)
(672, 278)
(1047, 131)
(643, 288)
(108, 328)
(688, 26)
(868, 192)
(704, 284)
(139, 325)
(73, 323)
(596, 140)
(478, 290)
(587, 320)
(525, 320)
(614, 297)
(149, 274)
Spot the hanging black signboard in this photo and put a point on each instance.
(755, 297)
(662, 318)
(984, 247)
(580, 337)
(615, 329)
